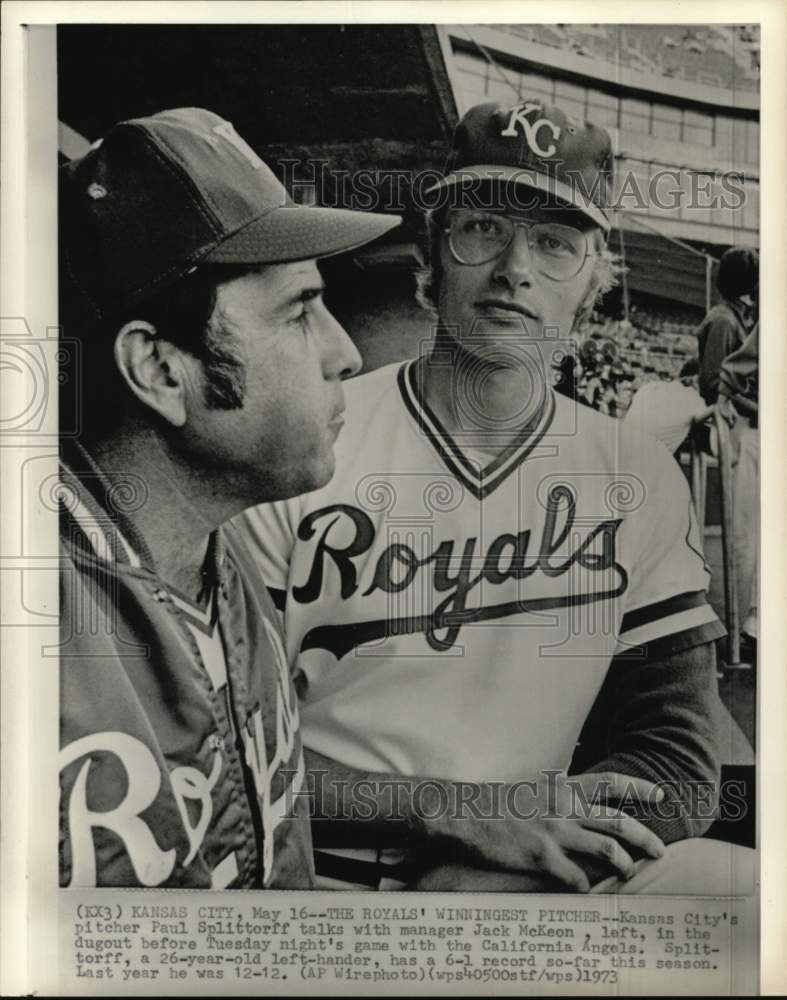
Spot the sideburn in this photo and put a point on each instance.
(224, 369)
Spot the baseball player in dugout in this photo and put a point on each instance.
(495, 612)
(210, 380)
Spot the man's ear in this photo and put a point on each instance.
(153, 369)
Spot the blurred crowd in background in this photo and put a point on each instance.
(611, 359)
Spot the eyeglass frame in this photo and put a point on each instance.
(515, 223)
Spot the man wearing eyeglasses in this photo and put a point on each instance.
(490, 560)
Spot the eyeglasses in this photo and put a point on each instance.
(476, 237)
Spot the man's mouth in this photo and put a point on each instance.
(504, 307)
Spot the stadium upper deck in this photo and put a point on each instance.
(725, 57)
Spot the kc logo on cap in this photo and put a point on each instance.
(532, 128)
(552, 152)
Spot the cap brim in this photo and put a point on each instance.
(527, 178)
(295, 232)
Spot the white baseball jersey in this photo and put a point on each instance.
(454, 615)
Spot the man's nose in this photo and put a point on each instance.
(340, 355)
(514, 266)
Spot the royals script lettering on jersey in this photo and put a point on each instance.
(181, 763)
(454, 615)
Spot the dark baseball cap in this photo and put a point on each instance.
(158, 196)
(536, 145)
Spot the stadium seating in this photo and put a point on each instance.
(653, 343)
(714, 55)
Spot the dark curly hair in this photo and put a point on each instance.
(739, 272)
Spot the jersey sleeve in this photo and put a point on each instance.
(666, 609)
(268, 533)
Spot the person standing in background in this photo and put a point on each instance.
(727, 324)
(738, 403)
(721, 336)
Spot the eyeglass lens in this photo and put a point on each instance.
(478, 237)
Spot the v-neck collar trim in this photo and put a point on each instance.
(479, 481)
(203, 615)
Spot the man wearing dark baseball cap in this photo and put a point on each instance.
(455, 603)
(531, 149)
(210, 379)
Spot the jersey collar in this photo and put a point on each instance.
(479, 481)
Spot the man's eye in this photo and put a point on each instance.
(481, 227)
(554, 244)
(309, 306)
